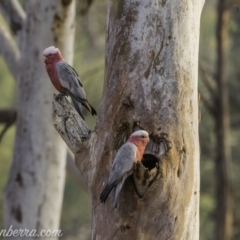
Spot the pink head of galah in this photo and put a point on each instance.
(51, 55)
(140, 139)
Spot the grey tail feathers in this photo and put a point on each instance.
(84, 102)
(116, 195)
(87, 105)
(117, 191)
(106, 191)
(77, 106)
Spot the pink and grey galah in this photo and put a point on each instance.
(65, 79)
(130, 153)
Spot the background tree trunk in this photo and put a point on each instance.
(150, 83)
(33, 196)
(223, 158)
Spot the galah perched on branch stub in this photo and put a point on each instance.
(66, 80)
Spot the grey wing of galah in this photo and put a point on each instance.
(121, 169)
(70, 80)
(123, 161)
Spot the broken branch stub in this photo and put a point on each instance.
(69, 124)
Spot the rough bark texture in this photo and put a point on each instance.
(223, 158)
(33, 196)
(150, 83)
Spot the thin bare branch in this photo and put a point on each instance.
(7, 116)
(208, 81)
(14, 14)
(9, 50)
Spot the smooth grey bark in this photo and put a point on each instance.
(34, 192)
(150, 83)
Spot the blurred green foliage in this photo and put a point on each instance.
(206, 127)
(7, 98)
(234, 86)
(207, 56)
(89, 63)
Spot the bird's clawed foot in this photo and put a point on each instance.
(59, 96)
(144, 173)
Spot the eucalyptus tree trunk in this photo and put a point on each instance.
(151, 84)
(34, 192)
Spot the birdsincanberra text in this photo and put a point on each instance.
(24, 232)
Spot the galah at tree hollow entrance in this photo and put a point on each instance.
(65, 79)
(130, 153)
